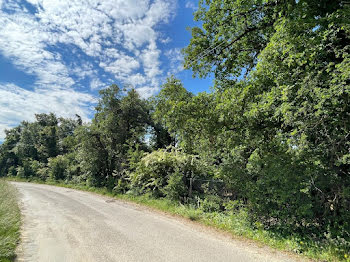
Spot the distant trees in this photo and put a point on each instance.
(99, 153)
(28, 147)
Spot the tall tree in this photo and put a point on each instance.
(290, 112)
(120, 122)
(235, 32)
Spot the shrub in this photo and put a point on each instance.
(58, 167)
(211, 203)
(28, 168)
(12, 171)
(43, 173)
(167, 172)
(175, 189)
(20, 172)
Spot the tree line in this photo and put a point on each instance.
(273, 135)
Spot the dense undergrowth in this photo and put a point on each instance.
(9, 221)
(235, 220)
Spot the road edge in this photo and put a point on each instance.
(198, 224)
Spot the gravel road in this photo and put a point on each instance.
(61, 224)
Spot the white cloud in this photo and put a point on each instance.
(137, 80)
(165, 40)
(137, 35)
(146, 92)
(22, 39)
(176, 60)
(18, 104)
(160, 11)
(98, 37)
(123, 65)
(191, 5)
(96, 84)
(83, 70)
(95, 27)
(150, 60)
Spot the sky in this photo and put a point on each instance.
(56, 54)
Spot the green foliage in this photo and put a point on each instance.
(281, 135)
(171, 109)
(186, 117)
(57, 167)
(43, 173)
(266, 152)
(12, 171)
(211, 203)
(20, 172)
(9, 221)
(152, 172)
(167, 172)
(119, 123)
(8, 157)
(234, 33)
(28, 168)
(175, 188)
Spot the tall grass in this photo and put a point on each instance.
(9, 221)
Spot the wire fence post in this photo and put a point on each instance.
(190, 189)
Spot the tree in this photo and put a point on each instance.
(48, 139)
(290, 112)
(8, 155)
(172, 109)
(234, 33)
(119, 123)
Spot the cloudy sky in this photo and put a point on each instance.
(56, 54)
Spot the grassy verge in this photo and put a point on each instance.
(9, 221)
(236, 223)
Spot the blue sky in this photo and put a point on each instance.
(56, 54)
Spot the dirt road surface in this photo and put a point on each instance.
(61, 224)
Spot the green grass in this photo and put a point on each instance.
(237, 224)
(240, 226)
(9, 221)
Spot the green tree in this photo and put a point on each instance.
(172, 110)
(8, 157)
(120, 122)
(234, 33)
(48, 138)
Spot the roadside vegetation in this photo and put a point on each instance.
(9, 221)
(235, 219)
(265, 155)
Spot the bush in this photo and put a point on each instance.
(211, 203)
(28, 168)
(43, 173)
(58, 167)
(12, 171)
(175, 189)
(20, 172)
(72, 167)
(167, 172)
(273, 198)
(233, 206)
